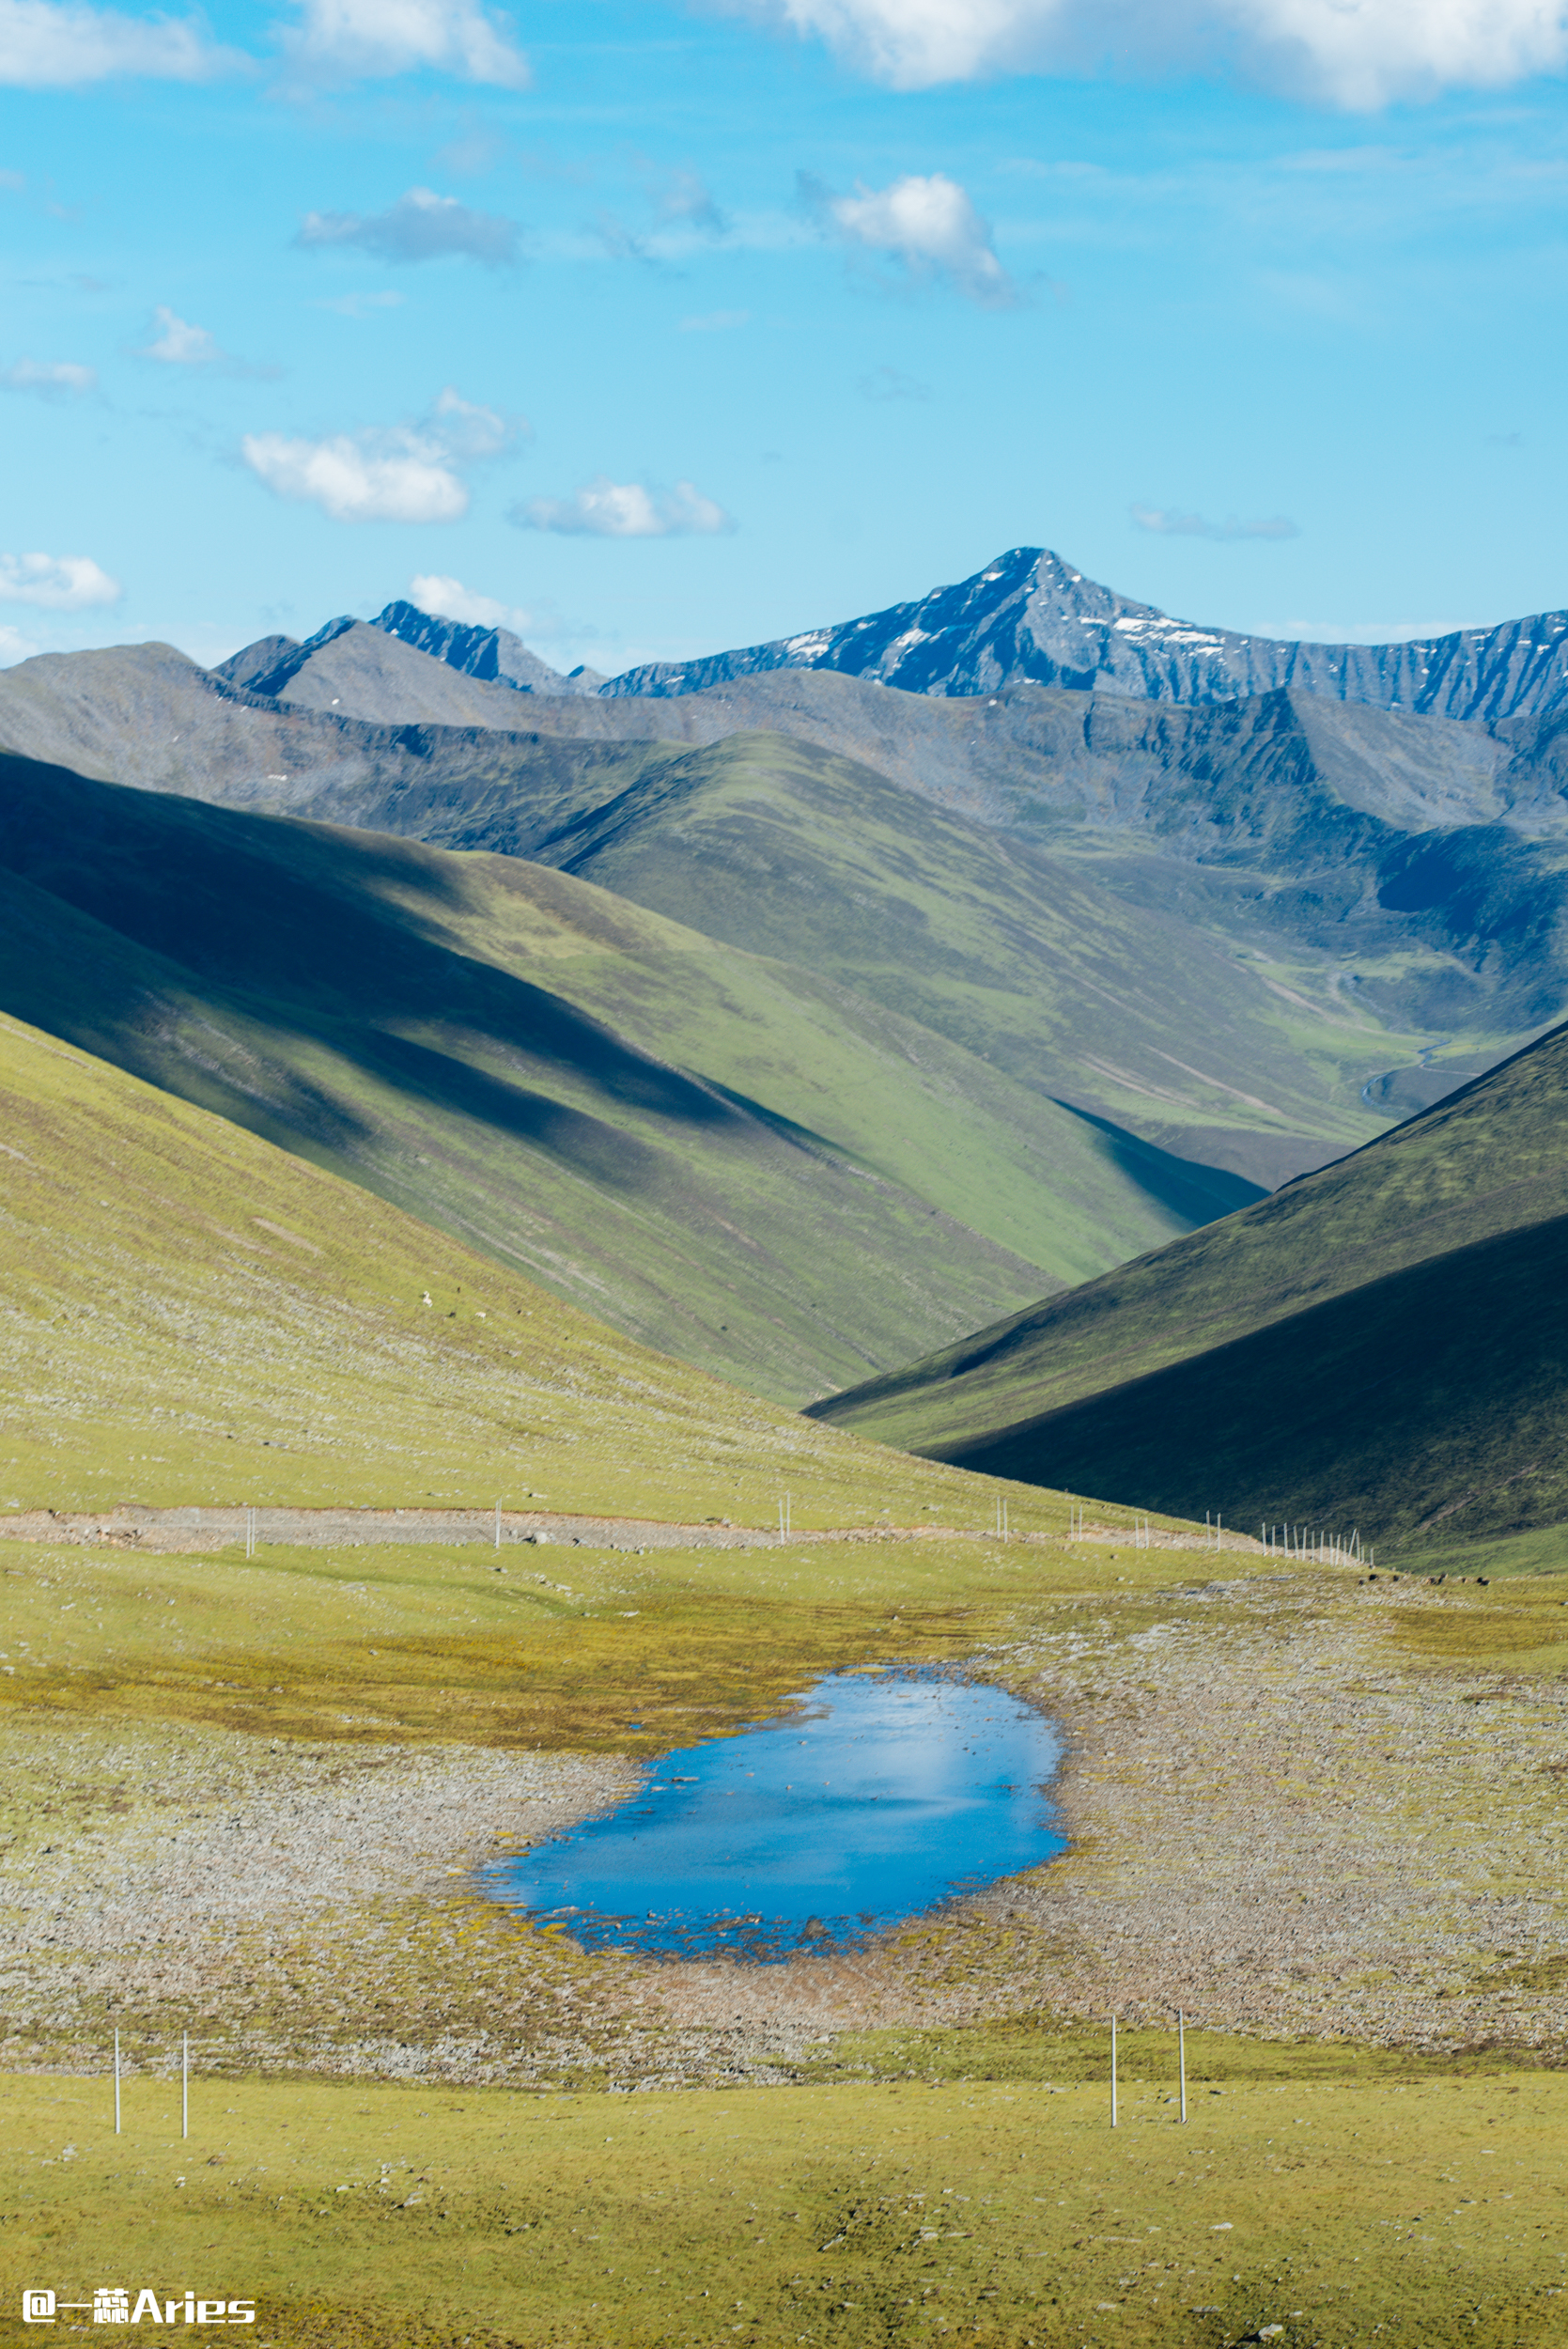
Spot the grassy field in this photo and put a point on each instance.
(1414, 2212)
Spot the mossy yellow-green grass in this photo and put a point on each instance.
(1413, 2213)
(189, 1315)
(726, 1158)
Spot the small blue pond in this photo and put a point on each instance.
(879, 1798)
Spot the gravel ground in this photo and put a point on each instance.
(193, 1529)
(1277, 1824)
(1282, 1820)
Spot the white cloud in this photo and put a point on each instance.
(57, 583)
(928, 223)
(356, 483)
(451, 601)
(44, 45)
(402, 473)
(603, 508)
(420, 227)
(370, 39)
(178, 343)
(1167, 524)
(1360, 54)
(57, 378)
(716, 323)
(15, 647)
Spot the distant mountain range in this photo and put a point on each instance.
(1180, 950)
(1029, 618)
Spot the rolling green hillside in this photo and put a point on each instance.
(1244, 840)
(177, 1299)
(1379, 1342)
(985, 938)
(731, 1159)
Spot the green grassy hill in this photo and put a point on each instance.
(987, 938)
(729, 1158)
(1377, 1343)
(178, 1297)
(1234, 853)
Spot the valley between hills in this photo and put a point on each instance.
(711, 1178)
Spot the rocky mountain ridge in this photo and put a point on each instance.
(492, 655)
(1030, 617)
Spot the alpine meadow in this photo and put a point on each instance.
(783, 1521)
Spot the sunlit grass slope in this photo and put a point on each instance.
(1332, 2211)
(993, 943)
(189, 1315)
(1379, 1342)
(727, 1157)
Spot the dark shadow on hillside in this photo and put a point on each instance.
(1427, 1404)
(289, 926)
(1186, 1188)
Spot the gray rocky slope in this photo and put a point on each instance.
(491, 655)
(1031, 616)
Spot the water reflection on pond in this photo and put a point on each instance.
(880, 1796)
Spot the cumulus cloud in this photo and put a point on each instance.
(451, 601)
(420, 227)
(402, 473)
(46, 45)
(176, 343)
(927, 224)
(358, 480)
(371, 39)
(603, 508)
(1361, 54)
(57, 378)
(57, 582)
(1166, 523)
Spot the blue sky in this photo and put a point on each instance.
(649, 330)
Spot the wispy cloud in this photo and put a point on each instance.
(420, 227)
(361, 305)
(603, 508)
(57, 583)
(374, 40)
(399, 473)
(716, 323)
(1167, 524)
(51, 45)
(683, 197)
(57, 379)
(891, 383)
(925, 223)
(1358, 57)
(176, 343)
